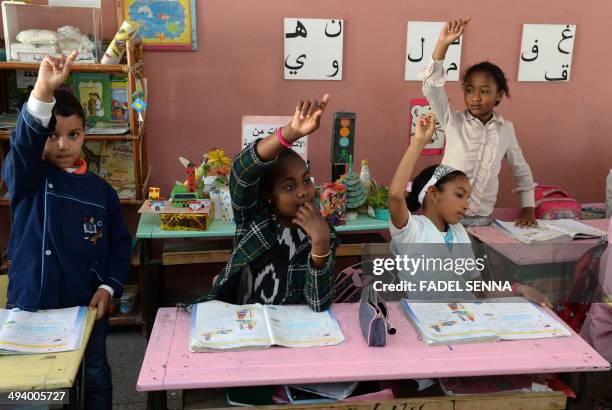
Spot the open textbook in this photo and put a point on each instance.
(493, 319)
(44, 331)
(218, 325)
(560, 230)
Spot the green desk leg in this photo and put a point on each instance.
(147, 293)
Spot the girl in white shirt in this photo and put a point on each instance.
(477, 139)
(444, 193)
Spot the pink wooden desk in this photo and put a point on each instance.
(536, 254)
(169, 365)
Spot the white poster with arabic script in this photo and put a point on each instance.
(546, 52)
(255, 127)
(313, 49)
(422, 37)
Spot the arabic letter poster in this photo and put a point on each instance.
(421, 40)
(256, 126)
(546, 52)
(313, 49)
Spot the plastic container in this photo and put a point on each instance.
(84, 33)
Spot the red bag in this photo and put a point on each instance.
(585, 288)
(554, 202)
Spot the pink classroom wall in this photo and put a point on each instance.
(197, 98)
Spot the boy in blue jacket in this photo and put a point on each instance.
(69, 244)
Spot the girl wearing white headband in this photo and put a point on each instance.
(443, 193)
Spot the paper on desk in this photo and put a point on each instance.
(44, 331)
(300, 326)
(500, 318)
(518, 321)
(220, 325)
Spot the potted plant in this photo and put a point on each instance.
(378, 200)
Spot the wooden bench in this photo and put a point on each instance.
(215, 398)
(218, 251)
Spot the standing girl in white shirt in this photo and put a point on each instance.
(478, 138)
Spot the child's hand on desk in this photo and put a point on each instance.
(100, 302)
(535, 296)
(527, 218)
(52, 73)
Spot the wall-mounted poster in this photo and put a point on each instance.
(163, 24)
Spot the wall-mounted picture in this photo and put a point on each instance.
(163, 24)
(418, 108)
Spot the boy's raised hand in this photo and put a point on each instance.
(306, 119)
(53, 72)
(452, 30)
(425, 128)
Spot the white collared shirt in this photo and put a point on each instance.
(421, 239)
(477, 149)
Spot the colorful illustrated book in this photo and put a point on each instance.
(553, 231)
(219, 326)
(493, 319)
(44, 331)
(119, 99)
(94, 92)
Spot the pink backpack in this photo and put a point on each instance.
(553, 202)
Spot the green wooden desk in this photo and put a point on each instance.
(149, 230)
(48, 371)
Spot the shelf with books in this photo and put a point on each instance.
(78, 68)
(122, 160)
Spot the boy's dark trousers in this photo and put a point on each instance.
(98, 381)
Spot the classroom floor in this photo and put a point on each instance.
(126, 349)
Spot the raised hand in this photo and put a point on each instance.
(306, 119)
(452, 30)
(53, 72)
(425, 128)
